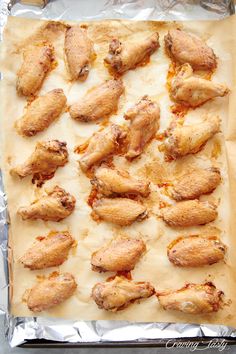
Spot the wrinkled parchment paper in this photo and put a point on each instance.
(151, 80)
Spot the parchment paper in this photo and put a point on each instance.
(151, 80)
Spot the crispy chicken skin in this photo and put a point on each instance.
(144, 122)
(79, 52)
(184, 47)
(120, 211)
(118, 255)
(51, 292)
(126, 56)
(49, 251)
(196, 251)
(55, 205)
(192, 299)
(119, 293)
(109, 181)
(44, 161)
(98, 102)
(193, 91)
(193, 184)
(37, 61)
(189, 213)
(41, 113)
(101, 145)
(190, 139)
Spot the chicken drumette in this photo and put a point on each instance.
(144, 117)
(44, 161)
(119, 293)
(120, 254)
(55, 205)
(193, 91)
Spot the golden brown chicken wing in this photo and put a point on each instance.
(196, 251)
(193, 91)
(55, 205)
(126, 56)
(110, 181)
(37, 61)
(190, 139)
(184, 47)
(120, 211)
(193, 184)
(119, 293)
(101, 145)
(44, 161)
(192, 298)
(189, 213)
(41, 113)
(120, 254)
(51, 292)
(79, 52)
(49, 251)
(144, 117)
(99, 102)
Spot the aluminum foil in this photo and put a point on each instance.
(21, 329)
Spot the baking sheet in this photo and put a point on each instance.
(37, 325)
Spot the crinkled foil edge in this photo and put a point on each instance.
(20, 329)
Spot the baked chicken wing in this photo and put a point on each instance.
(126, 56)
(41, 113)
(192, 298)
(79, 52)
(51, 292)
(196, 251)
(184, 47)
(49, 251)
(110, 181)
(193, 91)
(99, 102)
(120, 211)
(55, 205)
(189, 213)
(44, 161)
(144, 122)
(119, 293)
(193, 184)
(190, 139)
(120, 254)
(101, 145)
(37, 61)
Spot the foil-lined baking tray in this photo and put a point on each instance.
(36, 331)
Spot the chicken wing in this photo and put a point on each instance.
(193, 91)
(55, 205)
(126, 56)
(99, 102)
(189, 213)
(193, 184)
(51, 292)
(44, 161)
(37, 61)
(102, 145)
(79, 52)
(184, 47)
(190, 139)
(110, 181)
(119, 293)
(41, 113)
(120, 254)
(120, 211)
(49, 251)
(192, 298)
(196, 251)
(144, 117)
